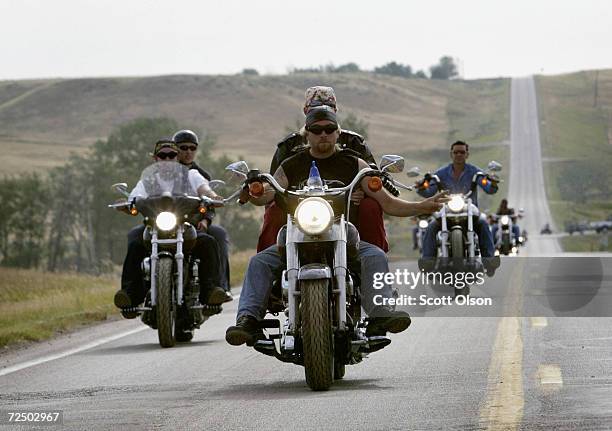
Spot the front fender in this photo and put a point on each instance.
(314, 271)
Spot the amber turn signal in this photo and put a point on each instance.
(203, 210)
(134, 211)
(375, 184)
(483, 181)
(256, 189)
(426, 184)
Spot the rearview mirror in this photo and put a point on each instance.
(414, 171)
(392, 163)
(216, 184)
(237, 172)
(494, 166)
(121, 188)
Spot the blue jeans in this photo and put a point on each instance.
(485, 239)
(259, 277)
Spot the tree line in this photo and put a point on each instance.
(445, 69)
(60, 221)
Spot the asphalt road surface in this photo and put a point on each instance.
(443, 373)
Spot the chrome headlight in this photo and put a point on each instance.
(456, 203)
(505, 220)
(314, 216)
(423, 224)
(165, 220)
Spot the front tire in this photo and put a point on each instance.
(456, 243)
(317, 336)
(166, 311)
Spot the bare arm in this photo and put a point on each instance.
(399, 207)
(205, 190)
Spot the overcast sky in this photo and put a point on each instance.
(490, 38)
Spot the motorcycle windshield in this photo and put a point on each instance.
(167, 177)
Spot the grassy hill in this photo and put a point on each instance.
(42, 121)
(576, 131)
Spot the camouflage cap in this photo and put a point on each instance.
(164, 143)
(319, 96)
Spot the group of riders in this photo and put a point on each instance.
(339, 155)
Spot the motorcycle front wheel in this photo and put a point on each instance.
(166, 312)
(317, 336)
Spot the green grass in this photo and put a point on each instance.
(479, 111)
(575, 129)
(238, 264)
(593, 243)
(36, 305)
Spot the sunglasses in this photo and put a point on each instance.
(459, 152)
(188, 147)
(165, 156)
(317, 130)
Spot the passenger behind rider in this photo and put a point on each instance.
(456, 177)
(133, 288)
(370, 220)
(322, 132)
(187, 143)
(505, 210)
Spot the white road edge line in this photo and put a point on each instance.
(69, 352)
(28, 364)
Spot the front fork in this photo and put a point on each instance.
(339, 271)
(178, 256)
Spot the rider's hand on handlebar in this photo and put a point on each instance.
(244, 196)
(125, 209)
(216, 197)
(357, 195)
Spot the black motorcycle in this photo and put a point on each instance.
(170, 211)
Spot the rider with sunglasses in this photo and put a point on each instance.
(187, 143)
(456, 177)
(132, 290)
(370, 220)
(333, 163)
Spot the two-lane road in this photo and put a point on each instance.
(443, 373)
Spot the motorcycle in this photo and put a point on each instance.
(505, 241)
(320, 289)
(171, 306)
(422, 221)
(457, 242)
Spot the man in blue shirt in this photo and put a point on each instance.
(457, 178)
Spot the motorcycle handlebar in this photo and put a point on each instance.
(360, 175)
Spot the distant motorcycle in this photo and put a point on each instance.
(171, 306)
(320, 294)
(546, 230)
(458, 249)
(505, 241)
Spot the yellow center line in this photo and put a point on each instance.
(550, 377)
(539, 322)
(504, 405)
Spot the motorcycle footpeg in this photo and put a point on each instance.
(267, 347)
(270, 324)
(375, 343)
